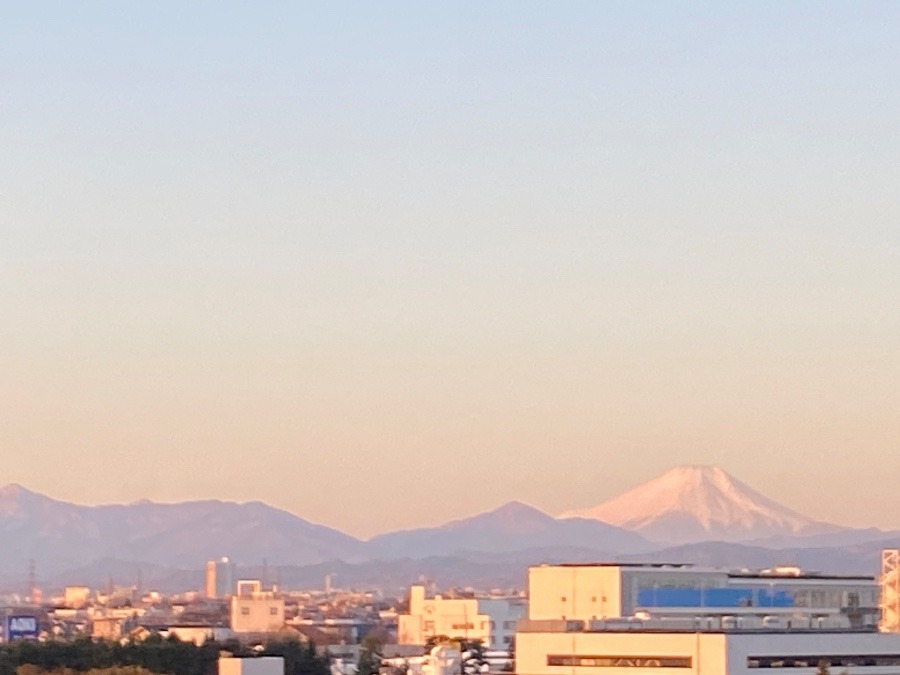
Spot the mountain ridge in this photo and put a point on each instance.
(513, 526)
(693, 503)
(62, 535)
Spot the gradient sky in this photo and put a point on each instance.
(386, 264)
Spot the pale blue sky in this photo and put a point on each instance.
(323, 253)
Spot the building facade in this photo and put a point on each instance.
(256, 611)
(680, 620)
(218, 579)
(652, 651)
(589, 592)
(455, 618)
(503, 616)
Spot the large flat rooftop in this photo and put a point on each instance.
(775, 573)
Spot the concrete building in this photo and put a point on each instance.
(503, 616)
(107, 627)
(491, 620)
(76, 597)
(682, 619)
(575, 648)
(256, 611)
(588, 592)
(219, 578)
(259, 665)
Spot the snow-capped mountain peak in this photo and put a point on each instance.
(697, 503)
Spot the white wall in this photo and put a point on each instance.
(742, 646)
(261, 613)
(710, 653)
(577, 592)
(263, 665)
(503, 615)
(706, 652)
(428, 617)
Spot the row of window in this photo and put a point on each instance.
(843, 660)
(507, 625)
(620, 661)
(245, 611)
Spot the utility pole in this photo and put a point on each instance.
(32, 580)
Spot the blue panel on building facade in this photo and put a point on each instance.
(712, 597)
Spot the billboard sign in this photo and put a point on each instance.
(21, 628)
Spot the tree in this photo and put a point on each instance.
(370, 654)
(299, 659)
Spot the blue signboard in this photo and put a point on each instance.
(21, 628)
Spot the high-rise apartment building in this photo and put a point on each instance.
(219, 578)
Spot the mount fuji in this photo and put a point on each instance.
(695, 503)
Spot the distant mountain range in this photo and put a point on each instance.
(514, 527)
(689, 514)
(59, 534)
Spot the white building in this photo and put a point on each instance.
(76, 597)
(650, 650)
(218, 580)
(564, 635)
(588, 592)
(456, 618)
(259, 665)
(256, 611)
(490, 620)
(198, 634)
(503, 616)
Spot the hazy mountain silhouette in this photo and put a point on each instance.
(509, 528)
(690, 507)
(184, 535)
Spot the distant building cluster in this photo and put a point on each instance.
(572, 619)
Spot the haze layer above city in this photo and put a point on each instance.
(390, 267)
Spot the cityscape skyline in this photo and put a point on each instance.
(330, 260)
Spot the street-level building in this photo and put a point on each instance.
(455, 618)
(489, 619)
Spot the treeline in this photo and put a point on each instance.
(157, 655)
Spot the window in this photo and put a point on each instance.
(621, 661)
(835, 661)
(273, 611)
(245, 611)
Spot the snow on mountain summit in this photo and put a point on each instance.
(698, 503)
